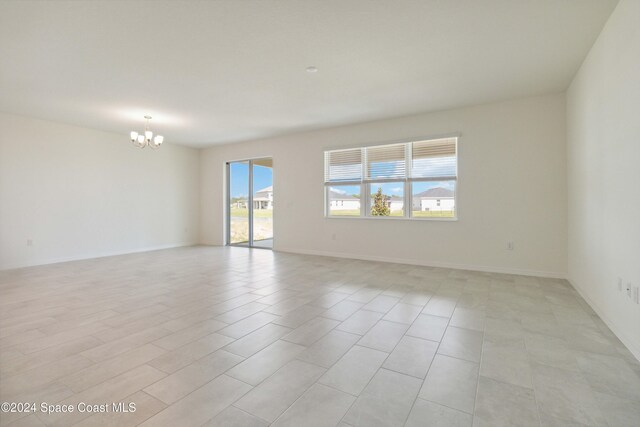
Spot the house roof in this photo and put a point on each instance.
(266, 189)
(438, 192)
(339, 196)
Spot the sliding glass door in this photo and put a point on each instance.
(250, 203)
(238, 195)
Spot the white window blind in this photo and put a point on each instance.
(386, 162)
(416, 180)
(343, 165)
(434, 159)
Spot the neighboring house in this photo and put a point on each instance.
(434, 199)
(263, 198)
(345, 202)
(395, 203)
(239, 204)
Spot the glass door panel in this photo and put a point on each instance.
(239, 227)
(262, 174)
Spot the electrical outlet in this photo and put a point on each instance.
(510, 246)
(620, 284)
(629, 290)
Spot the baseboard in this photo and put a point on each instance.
(631, 345)
(100, 255)
(486, 269)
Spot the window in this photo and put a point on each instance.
(433, 199)
(344, 200)
(387, 199)
(406, 180)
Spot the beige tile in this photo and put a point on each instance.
(403, 313)
(384, 336)
(342, 310)
(328, 300)
(234, 417)
(248, 325)
(381, 303)
(565, 395)
(386, 401)
(275, 394)
(319, 406)
(425, 413)
(171, 361)
(257, 340)
(504, 405)
(311, 331)
(184, 381)
(298, 316)
(468, 318)
(461, 343)
(23, 383)
(241, 312)
(360, 322)
(201, 405)
(261, 365)
(412, 356)
(354, 370)
(112, 390)
(329, 349)
(193, 333)
(27, 421)
(114, 348)
(428, 327)
(451, 382)
(441, 306)
(81, 379)
(506, 360)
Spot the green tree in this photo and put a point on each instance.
(380, 207)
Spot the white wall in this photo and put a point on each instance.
(603, 138)
(80, 193)
(512, 155)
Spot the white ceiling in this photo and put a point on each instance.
(225, 71)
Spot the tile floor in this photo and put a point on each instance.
(233, 336)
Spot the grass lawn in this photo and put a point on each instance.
(262, 226)
(346, 212)
(268, 213)
(257, 213)
(433, 214)
(415, 214)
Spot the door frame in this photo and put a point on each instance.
(249, 243)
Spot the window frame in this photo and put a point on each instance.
(368, 189)
(327, 200)
(407, 182)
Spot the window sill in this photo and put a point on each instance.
(392, 218)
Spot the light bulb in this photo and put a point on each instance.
(158, 139)
(140, 139)
(148, 135)
(134, 135)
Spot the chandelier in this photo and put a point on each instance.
(146, 139)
